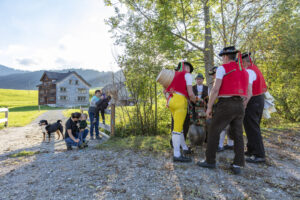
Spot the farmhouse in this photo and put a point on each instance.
(124, 97)
(63, 89)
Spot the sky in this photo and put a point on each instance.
(56, 34)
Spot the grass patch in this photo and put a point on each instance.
(23, 106)
(23, 154)
(158, 144)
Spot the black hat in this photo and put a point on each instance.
(185, 63)
(245, 55)
(200, 76)
(213, 70)
(228, 50)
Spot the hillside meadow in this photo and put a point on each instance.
(22, 104)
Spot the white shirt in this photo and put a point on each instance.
(252, 75)
(188, 79)
(221, 72)
(200, 90)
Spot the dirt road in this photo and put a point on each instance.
(54, 173)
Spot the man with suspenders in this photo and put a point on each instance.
(253, 113)
(231, 85)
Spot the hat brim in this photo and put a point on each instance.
(228, 52)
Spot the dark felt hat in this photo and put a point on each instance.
(245, 55)
(213, 70)
(200, 76)
(228, 50)
(185, 63)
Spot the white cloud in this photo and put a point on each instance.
(85, 44)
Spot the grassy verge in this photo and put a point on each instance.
(23, 154)
(23, 106)
(158, 144)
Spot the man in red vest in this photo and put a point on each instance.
(230, 86)
(178, 93)
(253, 113)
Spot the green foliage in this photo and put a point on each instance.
(279, 58)
(158, 34)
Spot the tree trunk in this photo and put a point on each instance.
(208, 45)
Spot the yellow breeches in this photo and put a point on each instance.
(178, 108)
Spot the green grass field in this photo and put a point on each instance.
(22, 104)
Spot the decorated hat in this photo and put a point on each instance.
(181, 65)
(213, 70)
(228, 50)
(246, 54)
(200, 76)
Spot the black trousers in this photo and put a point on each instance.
(228, 111)
(253, 115)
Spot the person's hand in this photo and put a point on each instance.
(76, 140)
(209, 113)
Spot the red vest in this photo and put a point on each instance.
(259, 85)
(178, 84)
(235, 83)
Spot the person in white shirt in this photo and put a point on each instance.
(231, 87)
(177, 94)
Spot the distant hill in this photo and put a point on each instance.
(4, 71)
(26, 80)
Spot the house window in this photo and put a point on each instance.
(76, 82)
(41, 100)
(63, 89)
(51, 99)
(41, 91)
(52, 91)
(81, 90)
(70, 82)
(81, 98)
(63, 97)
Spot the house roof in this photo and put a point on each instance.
(58, 77)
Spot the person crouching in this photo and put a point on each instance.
(72, 132)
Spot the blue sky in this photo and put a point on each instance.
(56, 34)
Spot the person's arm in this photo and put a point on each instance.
(252, 77)
(189, 87)
(213, 96)
(249, 95)
(191, 93)
(71, 135)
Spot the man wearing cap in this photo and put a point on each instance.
(199, 89)
(253, 113)
(231, 85)
(178, 93)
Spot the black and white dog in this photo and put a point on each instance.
(51, 128)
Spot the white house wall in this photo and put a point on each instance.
(71, 92)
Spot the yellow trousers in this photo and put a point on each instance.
(178, 107)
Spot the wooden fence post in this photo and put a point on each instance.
(6, 116)
(112, 119)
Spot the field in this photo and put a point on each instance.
(22, 104)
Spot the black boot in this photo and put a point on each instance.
(236, 169)
(206, 165)
(182, 159)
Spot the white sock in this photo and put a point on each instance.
(229, 141)
(222, 138)
(182, 142)
(176, 143)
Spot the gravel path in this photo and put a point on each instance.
(54, 173)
